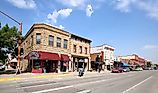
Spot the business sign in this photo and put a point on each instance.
(34, 55)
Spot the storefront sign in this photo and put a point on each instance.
(34, 55)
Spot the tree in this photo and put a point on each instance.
(8, 41)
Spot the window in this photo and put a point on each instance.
(32, 40)
(51, 40)
(58, 42)
(80, 49)
(85, 50)
(36, 64)
(65, 43)
(74, 48)
(38, 38)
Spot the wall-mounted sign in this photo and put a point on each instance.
(34, 55)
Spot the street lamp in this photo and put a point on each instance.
(19, 40)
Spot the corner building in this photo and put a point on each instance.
(47, 49)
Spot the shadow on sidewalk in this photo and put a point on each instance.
(7, 72)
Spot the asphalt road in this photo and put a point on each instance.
(131, 82)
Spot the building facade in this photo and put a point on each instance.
(80, 52)
(106, 53)
(133, 60)
(47, 49)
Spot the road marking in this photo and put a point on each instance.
(84, 91)
(54, 89)
(136, 85)
(36, 85)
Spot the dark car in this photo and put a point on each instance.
(117, 70)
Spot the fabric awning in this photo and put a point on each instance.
(42, 55)
(64, 57)
(48, 56)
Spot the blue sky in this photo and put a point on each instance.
(131, 26)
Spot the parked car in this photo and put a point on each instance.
(126, 69)
(138, 69)
(117, 70)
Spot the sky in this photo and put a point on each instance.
(130, 26)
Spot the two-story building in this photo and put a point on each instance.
(106, 53)
(80, 52)
(133, 60)
(48, 49)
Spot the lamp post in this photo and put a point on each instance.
(19, 40)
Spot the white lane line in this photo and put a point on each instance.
(32, 82)
(37, 85)
(136, 85)
(54, 89)
(84, 91)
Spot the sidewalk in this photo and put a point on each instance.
(22, 76)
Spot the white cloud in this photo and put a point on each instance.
(151, 47)
(151, 7)
(63, 13)
(123, 5)
(25, 4)
(89, 10)
(61, 27)
(72, 3)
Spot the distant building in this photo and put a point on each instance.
(106, 53)
(133, 60)
(50, 49)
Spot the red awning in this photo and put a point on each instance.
(64, 57)
(48, 56)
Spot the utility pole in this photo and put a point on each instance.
(19, 40)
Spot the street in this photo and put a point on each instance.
(130, 82)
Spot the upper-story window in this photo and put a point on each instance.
(85, 50)
(38, 38)
(65, 43)
(58, 42)
(51, 40)
(75, 48)
(32, 40)
(80, 49)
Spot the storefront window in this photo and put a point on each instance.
(65, 43)
(36, 64)
(58, 42)
(38, 38)
(51, 40)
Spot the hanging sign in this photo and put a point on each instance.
(34, 55)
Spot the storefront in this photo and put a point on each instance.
(47, 62)
(80, 62)
(43, 62)
(64, 63)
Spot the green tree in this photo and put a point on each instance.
(8, 41)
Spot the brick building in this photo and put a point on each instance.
(47, 48)
(133, 60)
